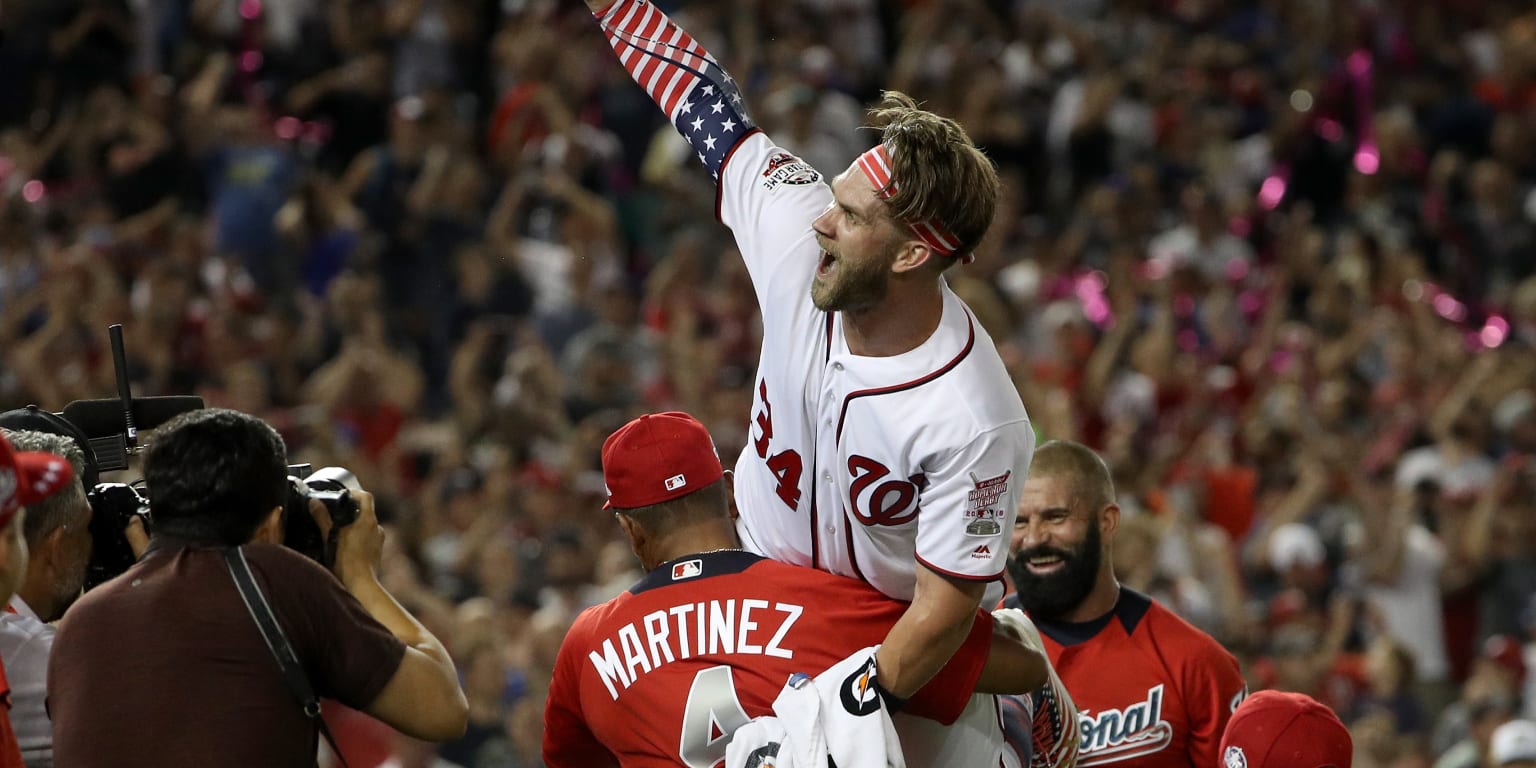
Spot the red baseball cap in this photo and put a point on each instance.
(658, 457)
(27, 477)
(1272, 729)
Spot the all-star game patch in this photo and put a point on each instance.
(983, 515)
(784, 168)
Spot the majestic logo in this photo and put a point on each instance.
(982, 552)
(983, 515)
(858, 691)
(675, 482)
(784, 168)
(1234, 758)
(1115, 734)
(687, 569)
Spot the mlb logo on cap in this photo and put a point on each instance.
(658, 457)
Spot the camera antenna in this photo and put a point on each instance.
(120, 365)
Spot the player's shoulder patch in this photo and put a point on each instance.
(784, 168)
(983, 515)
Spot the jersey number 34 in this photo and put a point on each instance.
(785, 465)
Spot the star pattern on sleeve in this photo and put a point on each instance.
(716, 124)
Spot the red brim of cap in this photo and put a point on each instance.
(38, 476)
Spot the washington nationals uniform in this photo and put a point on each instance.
(1151, 690)
(663, 674)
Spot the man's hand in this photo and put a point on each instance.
(1053, 727)
(423, 698)
(360, 546)
(1017, 662)
(599, 5)
(138, 539)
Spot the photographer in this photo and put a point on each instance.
(164, 666)
(58, 536)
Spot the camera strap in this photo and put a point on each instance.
(277, 642)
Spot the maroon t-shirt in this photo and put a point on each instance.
(164, 667)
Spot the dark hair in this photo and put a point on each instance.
(707, 503)
(213, 476)
(940, 174)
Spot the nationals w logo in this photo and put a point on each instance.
(877, 501)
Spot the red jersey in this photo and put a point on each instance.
(1151, 690)
(663, 674)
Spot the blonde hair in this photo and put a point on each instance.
(940, 175)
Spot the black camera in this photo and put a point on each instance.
(107, 433)
(113, 507)
(332, 487)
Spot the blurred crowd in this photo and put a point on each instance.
(1276, 259)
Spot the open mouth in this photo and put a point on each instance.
(1042, 565)
(825, 266)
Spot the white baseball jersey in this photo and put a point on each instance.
(865, 466)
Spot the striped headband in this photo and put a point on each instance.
(876, 165)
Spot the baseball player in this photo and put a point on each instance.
(1151, 690)
(664, 674)
(888, 442)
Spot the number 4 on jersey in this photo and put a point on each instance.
(712, 715)
(785, 465)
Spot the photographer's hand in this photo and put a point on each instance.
(138, 538)
(423, 699)
(359, 546)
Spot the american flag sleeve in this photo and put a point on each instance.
(691, 88)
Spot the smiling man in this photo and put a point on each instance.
(1153, 691)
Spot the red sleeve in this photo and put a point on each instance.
(1214, 687)
(568, 742)
(948, 693)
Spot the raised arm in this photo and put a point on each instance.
(691, 88)
(764, 193)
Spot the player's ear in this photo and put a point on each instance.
(271, 529)
(730, 495)
(635, 531)
(1109, 520)
(913, 255)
